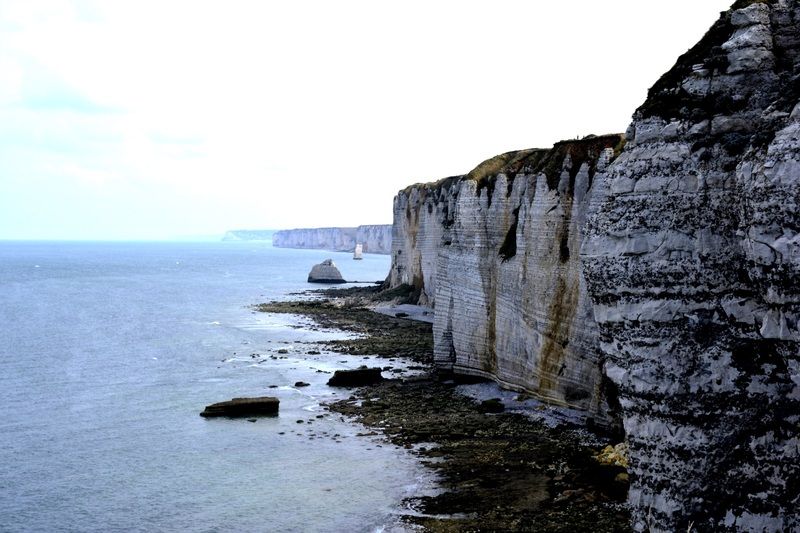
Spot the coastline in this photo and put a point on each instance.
(508, 470)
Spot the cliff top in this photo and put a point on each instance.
(444, 183)
(550, 161)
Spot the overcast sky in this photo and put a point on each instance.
(155, 120)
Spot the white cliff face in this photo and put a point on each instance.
(497, 252)
(692, 258)
(420, 214)
(375, 239)
(689, 264)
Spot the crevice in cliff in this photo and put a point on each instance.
(586, 150)
(487, 184)
(509, 246)
(563, 247)
(563, 231)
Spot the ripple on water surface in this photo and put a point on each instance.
(109, 352)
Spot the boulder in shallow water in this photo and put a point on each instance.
(356, 378)
(243, 407)
(325, 272)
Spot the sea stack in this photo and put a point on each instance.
(325, 272)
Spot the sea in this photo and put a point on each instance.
(108, 353)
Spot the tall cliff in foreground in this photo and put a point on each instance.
(496, 251)
(686, 291)
(692, 259)
(375, 238)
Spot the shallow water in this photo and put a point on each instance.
(109, 351)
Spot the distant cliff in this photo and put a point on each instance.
(248, 235)
(376, 239)
(496, 252)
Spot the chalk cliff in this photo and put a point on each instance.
(420, 213)
(375, 238)
(692, 258)
(496, 251)
(669, 268)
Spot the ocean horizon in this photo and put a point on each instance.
(111, 349)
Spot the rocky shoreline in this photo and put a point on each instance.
(498, 471)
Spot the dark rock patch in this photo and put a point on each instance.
(494, 405)
(356, 378)
(243, 407)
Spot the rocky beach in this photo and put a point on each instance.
(499, 467)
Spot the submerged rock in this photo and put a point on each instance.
(356, 378)
(325, 272)
(243, 407)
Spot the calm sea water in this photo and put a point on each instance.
(109, 351)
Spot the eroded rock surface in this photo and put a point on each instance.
(496, 251)
(692, 258)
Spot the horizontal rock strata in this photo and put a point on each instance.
(375, 239)
(692, 259)
(496, 251)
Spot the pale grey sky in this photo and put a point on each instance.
(155, 119)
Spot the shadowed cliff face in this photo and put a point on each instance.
(496, 251)
(692, 257)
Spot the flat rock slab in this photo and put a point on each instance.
(243, 407)
(356, 378)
